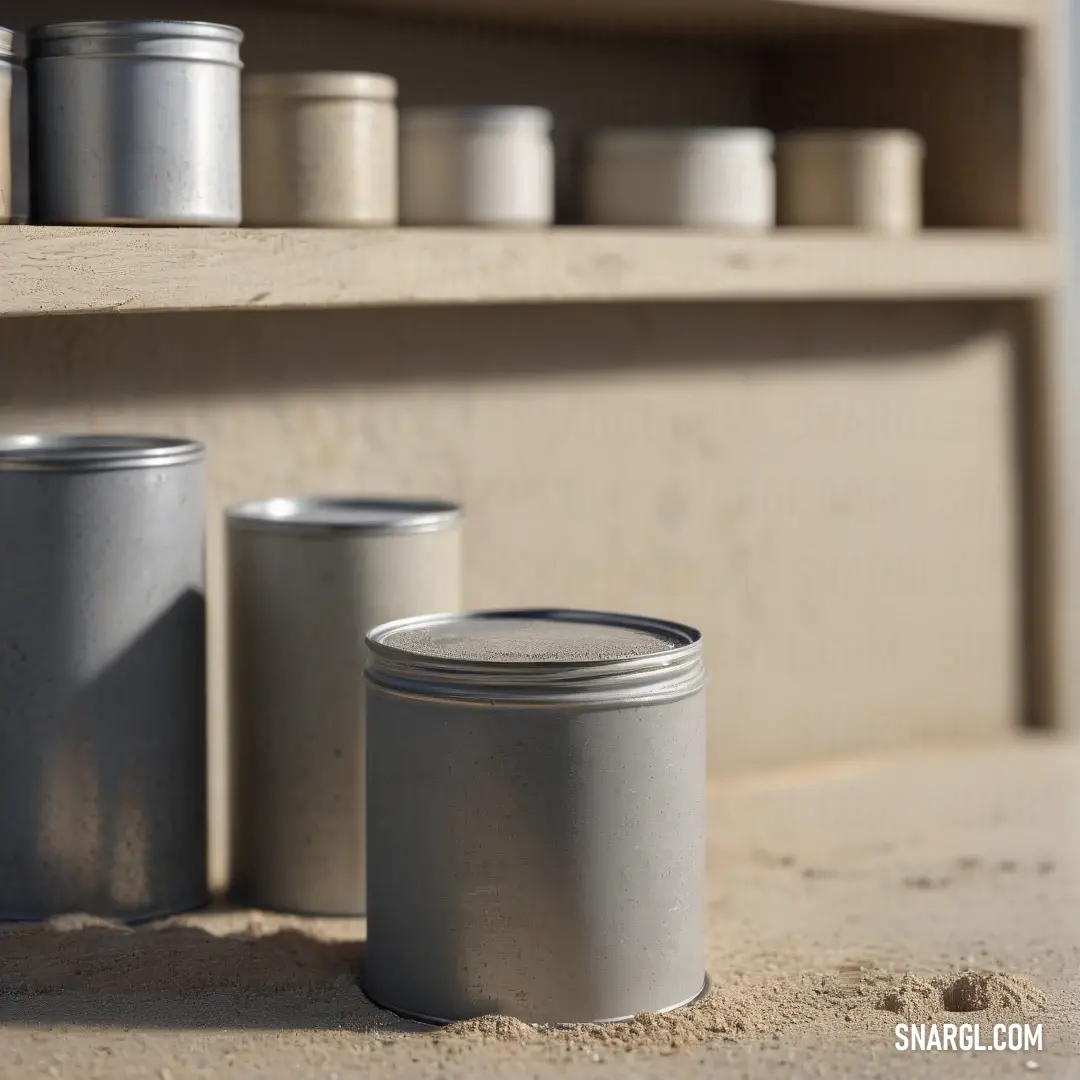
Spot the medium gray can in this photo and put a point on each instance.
(536, 816)
(307, 579)
(136, 123)
(102, 677)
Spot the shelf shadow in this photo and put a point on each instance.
(177, 975)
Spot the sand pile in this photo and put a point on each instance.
(813, 1001)
(262, 966)
(971, 991)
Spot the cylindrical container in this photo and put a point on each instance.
(477, 166)
(704, 177)
(136, 123)
(536, 810)
(868, 180)
(14, 133)
(307, 579)
(102, 677)
(320, 148)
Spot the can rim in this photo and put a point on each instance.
(664, 674)
(338, 514)
(78, 453)
(167, 28)
(350, 85)
(12, 44)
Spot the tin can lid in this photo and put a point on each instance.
(12, 44)
(321, 85)
(477, 118)
(92, 453)
(536, 655)
(342, 514)
(532, 637)
(655, 138)
(161, 38)
(138, 28)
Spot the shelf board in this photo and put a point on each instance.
(704, 15)
(56, 270)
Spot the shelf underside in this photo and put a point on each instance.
(705, 15)
(55, 270)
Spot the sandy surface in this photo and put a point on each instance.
(843, 900)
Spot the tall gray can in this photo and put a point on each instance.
(536, 816)
(307, 579)
(102, 677)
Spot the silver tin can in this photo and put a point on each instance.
(536, 811)
(102, 677)
(14, 133)
(307, 579)
(136, 123)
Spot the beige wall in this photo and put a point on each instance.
(826, 491)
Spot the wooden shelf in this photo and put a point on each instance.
(55, 270)
(749, 15)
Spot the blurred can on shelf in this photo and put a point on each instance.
(482, 166)
(320, 148)
(536, 816)
(102, 677)
(870, 180)
(697, 177)
(14, 133)
(136, 123)
(308, 578)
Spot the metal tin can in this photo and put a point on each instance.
(696, 177)
(536, 816)
(477, 166)
(14, 134)
(136, 123)
(307, 579)
(320, 148)
(869, 180)
(102, 677)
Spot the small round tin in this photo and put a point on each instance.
(536, 816)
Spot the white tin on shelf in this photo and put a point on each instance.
(320, 148)
(868, 180)
(712, 177)
(477, 166)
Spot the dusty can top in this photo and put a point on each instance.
(342, 514)
(536, 656)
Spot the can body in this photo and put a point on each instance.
(302, 594)
(14, 132)
(136, 123)
(868, 180)
(320, 149)
(710, 177)
(102, 678)
(483, 167)
(540, 860)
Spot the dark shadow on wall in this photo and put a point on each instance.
(85, 359)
